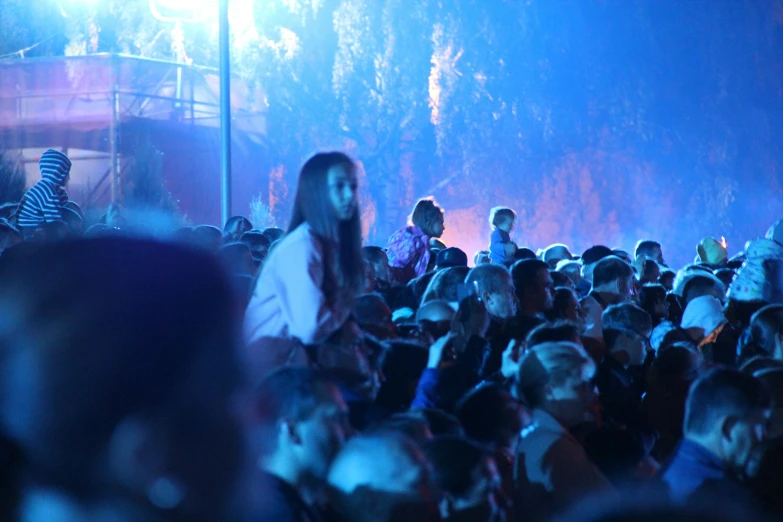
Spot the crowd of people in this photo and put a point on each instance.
(302, 376)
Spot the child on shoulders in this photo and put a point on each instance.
(501, 248)
(409, 248)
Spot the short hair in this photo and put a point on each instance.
(435, 308)
(255, 239)
(609, 270)
(550, 363)
(481, 257)
(726, 276)
(622, 254)
(453, 460)
(650, 295)
(273, 234)
(560, 331)
(524, 253)
(667, 274)
(563, 295)
(596, 253)
(499, 215)
(677, 364)
(719, 392)
(234, 256)
(484, 414)
(645, 246)
(290, 392)
(371, 309)
(207, 236)
(445, 284)
(524, 274)
(424, 213)
(699, 285)
(760, 337)
(488, 278)
(568, 266)
(560, 279)
(236, 224)
(372, 461)
(626, 316)
(374, 254)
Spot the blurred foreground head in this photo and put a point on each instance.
(382, 477)
(116, 373)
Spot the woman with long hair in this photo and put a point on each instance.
(309, 281)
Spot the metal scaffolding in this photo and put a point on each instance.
(95, 102)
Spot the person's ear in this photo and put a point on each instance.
(486, 298)
(727, 424)
(549, 393)
(288, 431)
(778, 353)
(622, 354)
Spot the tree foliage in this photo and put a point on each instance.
(13, 181)
(142, 183)
(600, 122)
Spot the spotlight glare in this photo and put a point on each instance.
(180, 10)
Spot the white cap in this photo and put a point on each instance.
(704, 313)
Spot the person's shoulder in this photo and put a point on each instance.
(300, 240)
(497, 235)
(543, 426)
(282, 502)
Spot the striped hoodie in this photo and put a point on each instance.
(43, 201)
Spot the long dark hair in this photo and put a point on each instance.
(312, 206)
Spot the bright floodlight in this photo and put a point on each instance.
(179, 10)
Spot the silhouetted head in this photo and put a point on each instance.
(118, 366)
(235, 227)
(428, 216)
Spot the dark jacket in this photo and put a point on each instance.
(442, 388)
(619, 394)
(695, 474)
(282, 503)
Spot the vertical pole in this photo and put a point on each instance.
(225, 114)
(114, 131)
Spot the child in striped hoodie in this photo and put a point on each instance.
(44, 201)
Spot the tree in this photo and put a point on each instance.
(599, 121)
(142, 184)
(13, 180)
